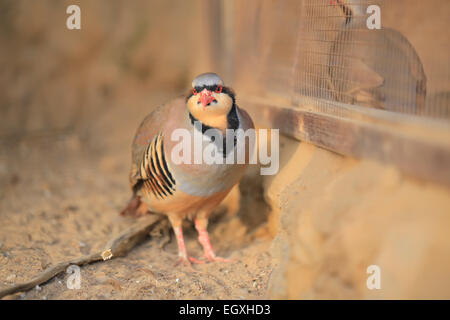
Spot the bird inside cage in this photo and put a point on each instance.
(188, 190)
(377, 68)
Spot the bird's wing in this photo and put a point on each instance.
(153, 172)
(149, 166)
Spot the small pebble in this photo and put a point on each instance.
(38, 288)
(177, 280)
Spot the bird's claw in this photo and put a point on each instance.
(196, 261)
(188, 261)
(212, 258)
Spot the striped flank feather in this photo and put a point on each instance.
(154, 170)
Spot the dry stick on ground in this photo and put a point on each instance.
(115, 248)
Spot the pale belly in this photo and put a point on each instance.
(184, 205)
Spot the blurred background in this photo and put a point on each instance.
(59, 79)
(367, 185)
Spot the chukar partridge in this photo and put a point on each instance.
(162, 184)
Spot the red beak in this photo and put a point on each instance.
(206, 97)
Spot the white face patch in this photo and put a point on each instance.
(214, 115)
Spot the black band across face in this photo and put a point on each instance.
(225, 90)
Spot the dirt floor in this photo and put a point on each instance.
(60, 198)
(70, 103)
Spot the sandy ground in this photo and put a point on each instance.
(70, 103)
(60, 198)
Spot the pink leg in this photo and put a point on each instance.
(208, 250)
(182, 252)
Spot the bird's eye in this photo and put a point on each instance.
(219, 89)
(194, 91)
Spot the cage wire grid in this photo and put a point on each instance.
(322, 52)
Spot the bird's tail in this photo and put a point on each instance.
(135, 207)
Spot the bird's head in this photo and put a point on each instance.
(350, 8)
(209, 100)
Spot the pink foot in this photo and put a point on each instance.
(196, 261)
(219, 259)
(188, 262)
(182, 252)
(209, 253)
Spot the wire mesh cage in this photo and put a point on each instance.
(389, 55)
